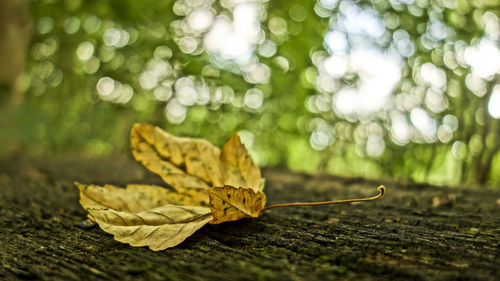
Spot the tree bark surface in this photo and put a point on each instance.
(415, 232)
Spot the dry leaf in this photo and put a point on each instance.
(202, 175)
(239, 169)
(158, 228)
(194, 163)
(137, 198)
(144, 215)
(181, 162)
(229, 203)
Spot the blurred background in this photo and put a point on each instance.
(386, 88)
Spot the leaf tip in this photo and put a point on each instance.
(138, 129)
(235, 139)
(80, 185)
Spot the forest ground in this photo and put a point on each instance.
(415, 232)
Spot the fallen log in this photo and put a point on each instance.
(415, 232)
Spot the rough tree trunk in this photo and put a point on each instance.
(415, 232)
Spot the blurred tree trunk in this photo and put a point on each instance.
(479, 166)
(15, 32)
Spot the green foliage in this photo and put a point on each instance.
(97, 67)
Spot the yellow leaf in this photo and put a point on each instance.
(231, 203)
(194, 163)
(200, 173)
(116, 210)
(227, 181)
(239, 169)
(159, 228)
(137, 198)
(146, 215)
(181, 162)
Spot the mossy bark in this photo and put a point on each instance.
(415, 232)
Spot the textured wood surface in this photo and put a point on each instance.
(416, 232)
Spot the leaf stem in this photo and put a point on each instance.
(381, 189)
